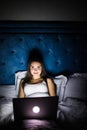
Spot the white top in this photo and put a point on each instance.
(36, 90)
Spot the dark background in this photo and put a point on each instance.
(43, 10)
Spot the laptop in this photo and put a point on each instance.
(35, 108)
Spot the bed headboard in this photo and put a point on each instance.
(63, 46)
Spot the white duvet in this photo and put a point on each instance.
(7, 93)
(6, 110)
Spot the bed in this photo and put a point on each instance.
(64, 49)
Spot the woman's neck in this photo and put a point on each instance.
(38, 80)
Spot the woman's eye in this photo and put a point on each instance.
(32, 67)
(39, 67)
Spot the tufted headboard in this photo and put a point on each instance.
(63, 46)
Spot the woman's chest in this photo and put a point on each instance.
(32, 88)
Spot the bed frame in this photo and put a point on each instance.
(63, 46)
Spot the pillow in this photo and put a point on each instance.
(60, 82)
(76, 87)
(18, 76)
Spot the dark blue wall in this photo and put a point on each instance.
(63, 46)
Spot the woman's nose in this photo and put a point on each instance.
(35, 69)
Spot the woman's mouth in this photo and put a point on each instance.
(35, 72)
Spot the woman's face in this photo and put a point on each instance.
(35, 69)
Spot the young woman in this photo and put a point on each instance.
(36, 82)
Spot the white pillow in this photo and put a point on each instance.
(18, 76)
(60, 82)
(76, 86)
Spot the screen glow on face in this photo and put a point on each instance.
(36, 109)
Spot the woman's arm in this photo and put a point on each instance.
(51, 87)
(21, 91)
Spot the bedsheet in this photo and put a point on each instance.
(36, 124)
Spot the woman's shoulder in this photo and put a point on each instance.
(48, 79)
